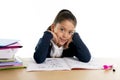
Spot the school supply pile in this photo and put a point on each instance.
(8, 49)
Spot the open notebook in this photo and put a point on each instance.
(63, 64)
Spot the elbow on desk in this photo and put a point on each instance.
(38, 60)
(86, 59)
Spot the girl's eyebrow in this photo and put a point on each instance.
(72, 30)
(62, 27)
(65, 29)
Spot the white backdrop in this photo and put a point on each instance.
(98, 23)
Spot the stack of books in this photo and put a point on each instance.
(8, 49)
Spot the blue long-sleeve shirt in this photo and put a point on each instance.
(76, 48)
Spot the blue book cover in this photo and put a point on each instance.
(7, 42)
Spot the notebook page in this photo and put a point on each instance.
(75, 64)
(48, 65)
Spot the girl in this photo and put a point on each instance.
(61, 40)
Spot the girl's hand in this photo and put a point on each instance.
(67, 44)
(55, 39)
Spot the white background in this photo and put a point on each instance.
(98, 23)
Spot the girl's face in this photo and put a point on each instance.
(64, 31)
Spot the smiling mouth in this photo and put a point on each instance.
(62, 40)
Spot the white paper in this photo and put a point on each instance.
(74, 63)
(49, 64)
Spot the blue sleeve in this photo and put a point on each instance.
(42, 48)
(83, 53)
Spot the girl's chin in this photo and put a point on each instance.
(61, 44)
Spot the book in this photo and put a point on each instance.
(17, 64)
(6, 42)
(7, 60)
(12, 67)
(8, 53)
(12, 63)
(15, 45)
(63, 64)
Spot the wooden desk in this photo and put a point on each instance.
(22, 74)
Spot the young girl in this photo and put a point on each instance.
(61, 40)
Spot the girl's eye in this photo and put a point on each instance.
(61, 29)
(71, 32)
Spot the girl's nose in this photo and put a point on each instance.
(65, 35)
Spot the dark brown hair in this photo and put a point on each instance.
(64, 14)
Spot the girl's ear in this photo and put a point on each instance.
(52, 27)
